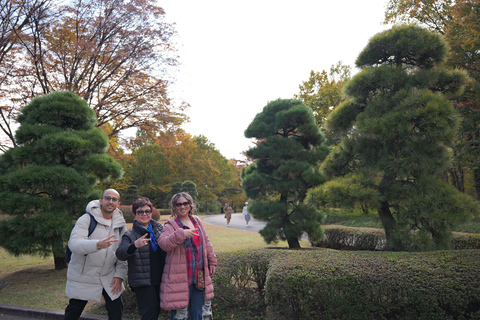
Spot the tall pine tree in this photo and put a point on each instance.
(48, 179)
(286, 159)
(398, 126)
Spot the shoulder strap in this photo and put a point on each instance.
(93, 224)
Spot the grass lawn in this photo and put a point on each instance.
(33, 282)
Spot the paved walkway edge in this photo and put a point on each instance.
(39, 313)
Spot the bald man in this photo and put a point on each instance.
(94, 269)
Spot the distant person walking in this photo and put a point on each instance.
(246, 214)
(94, 269)
(228, 213)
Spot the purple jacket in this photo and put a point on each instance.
(174, 285)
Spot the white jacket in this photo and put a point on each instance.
(90, 270)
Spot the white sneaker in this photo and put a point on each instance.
(228, 225)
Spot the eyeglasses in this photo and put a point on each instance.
(179, 204)
(107, 198)
(144, 213)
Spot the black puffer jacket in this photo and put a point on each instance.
(145, 267)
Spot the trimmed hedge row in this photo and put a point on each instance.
(331, 284)
(373, 239)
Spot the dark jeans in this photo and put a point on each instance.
(200, 309)
(114, 308)
(148, 301)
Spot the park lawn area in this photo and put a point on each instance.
(32, 281)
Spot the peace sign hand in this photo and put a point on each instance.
(140, 242)
(107, 242)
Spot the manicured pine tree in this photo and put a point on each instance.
(130, 195)
(397, 127)
(190, 187)
(286, 158)
(48, 179)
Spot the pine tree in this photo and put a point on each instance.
(397, 127)
(286, 159)
(130, 195)
(48, 179)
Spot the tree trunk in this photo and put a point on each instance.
(444, 177)
(60, 263)
(388, 221)
(293, 243)
(477, 182)
(457, 179)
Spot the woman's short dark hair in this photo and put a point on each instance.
(140, 203)
(189, 198)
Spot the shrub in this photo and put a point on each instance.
(165, 212)
(331, 284)
(373, 239)
(240, 280)
(465, 241)
(340, 237)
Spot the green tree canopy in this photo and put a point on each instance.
(398, 125)
(286, 158)
(48, 179)
(130, 195)
(459, 22)
(147, 169)
(323, 91)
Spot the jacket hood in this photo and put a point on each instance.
(94, 208)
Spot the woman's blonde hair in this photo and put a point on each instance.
(174, 200)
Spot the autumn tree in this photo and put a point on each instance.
(147, 168)
(47, 181)
(15, 18)
(161, 162)
(398, 126)
(196, 159)
(112, 53)
(286, 160)
(433, 14)
(323, 91)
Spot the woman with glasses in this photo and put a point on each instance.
(145, 259)
(189, 265)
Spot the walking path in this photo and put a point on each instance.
(237, 222)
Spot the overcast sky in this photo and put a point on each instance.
(236, 56)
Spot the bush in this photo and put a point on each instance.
(240, 280)
(330, 284)
(340, 237)
(373, 239)
(165, 212)
(465, 241)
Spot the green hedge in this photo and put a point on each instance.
(373, 239)
(331, 284)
